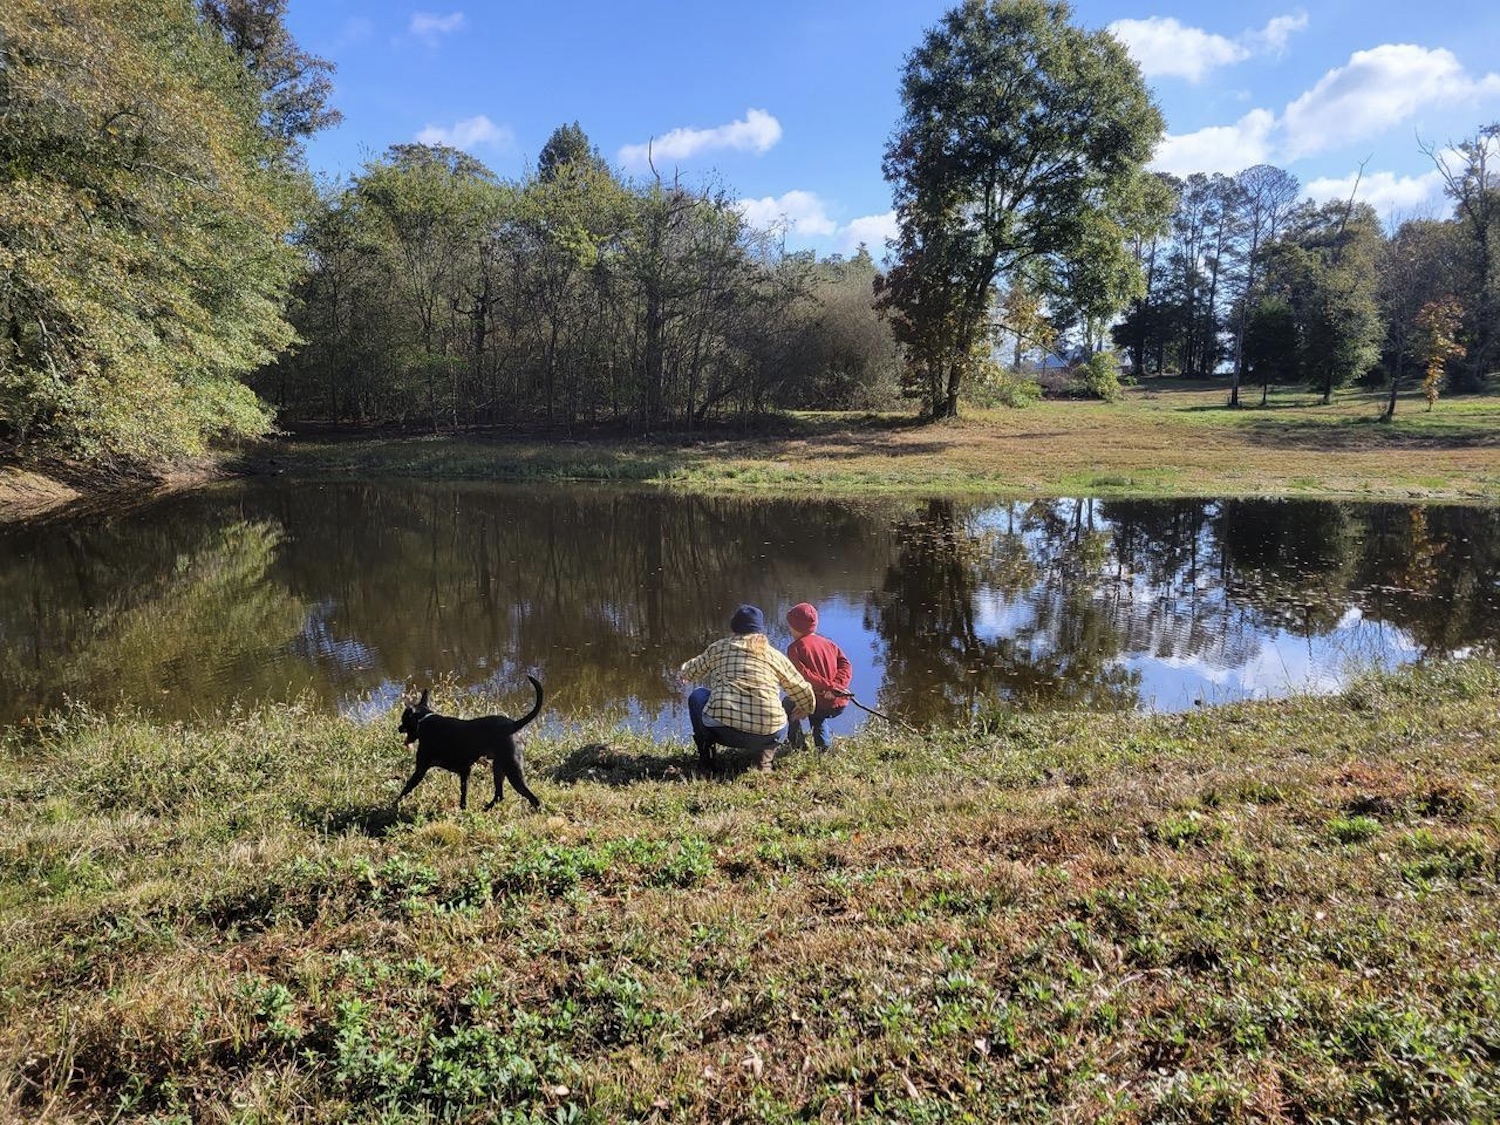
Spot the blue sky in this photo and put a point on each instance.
(787, 106)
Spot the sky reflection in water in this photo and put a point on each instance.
(348, 593)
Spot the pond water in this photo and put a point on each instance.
(348, 593)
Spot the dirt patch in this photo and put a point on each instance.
(24, 494)
(47, 489)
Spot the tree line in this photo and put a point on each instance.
(171, 275)
(1250, 278)
(442, 294)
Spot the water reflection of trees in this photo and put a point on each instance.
(1046, 602)
(263, 591)
(952, 578)
(177, 614)
(604, 593)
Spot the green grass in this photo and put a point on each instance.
(1281, 911)
(1166, 438)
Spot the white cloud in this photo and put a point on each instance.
(797, 212)
(1393, 196)
(872, 230)
(756, 133)
(1219, 148)
(428, 27)
(804, 217)
(1165, 47)
(1273, 37)
(472, 132)
(1378, 89)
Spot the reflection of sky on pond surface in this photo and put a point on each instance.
(347, 594)
(1280, 664)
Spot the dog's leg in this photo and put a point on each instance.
(518, 782)
(411, 783)
(499, 772)
(512, 764)
(463, 788)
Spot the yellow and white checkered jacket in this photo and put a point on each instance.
(744, 678)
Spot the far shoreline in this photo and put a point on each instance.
(1167, 438)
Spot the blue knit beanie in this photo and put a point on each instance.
(747, 619)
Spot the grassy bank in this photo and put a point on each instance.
(1168, 437)
(1281, 911)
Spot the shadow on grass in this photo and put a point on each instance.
(363, 820)
(1355, 434)
(608, 765)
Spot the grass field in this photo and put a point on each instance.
(1168, 437)
(1284, 911)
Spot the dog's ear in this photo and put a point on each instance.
(423, 701)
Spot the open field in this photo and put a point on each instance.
(1283, 911)
(1168, 437)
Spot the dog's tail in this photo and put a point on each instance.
(536, 683)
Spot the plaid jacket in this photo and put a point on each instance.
(743, 685)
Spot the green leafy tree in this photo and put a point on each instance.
(144, 208)
(1421, 264)
(295, 85)
(1023, 140)
(1325, 270)
(569, 149)
(1271, 343)
(431, 206)
(1471, 178)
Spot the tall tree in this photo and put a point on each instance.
(1267, 196)
(1421, 264)
(1471, 179)
(295, 85)
(1141, 331)
(144, 209)
(568, 148)
(1325, 270)
(1022, 138)
(435, 206)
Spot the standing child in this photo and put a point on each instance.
(824, 666)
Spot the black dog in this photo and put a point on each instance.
(456, 744)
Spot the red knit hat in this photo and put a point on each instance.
(803, 618)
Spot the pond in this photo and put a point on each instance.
(346, 593)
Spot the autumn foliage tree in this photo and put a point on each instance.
(1438, 323)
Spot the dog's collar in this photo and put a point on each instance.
(425, 717)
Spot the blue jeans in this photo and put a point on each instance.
(821, 738)
(724, 736)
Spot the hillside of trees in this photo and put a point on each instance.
(172, 277)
